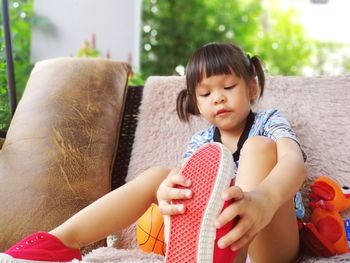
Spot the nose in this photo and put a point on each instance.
(219, 98)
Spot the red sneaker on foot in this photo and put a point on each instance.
(226, 254)
(192, 234)
(40, 247)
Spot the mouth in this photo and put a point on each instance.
(222, 112)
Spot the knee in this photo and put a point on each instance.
(260, 145)
(151, 179)
(158, 172)
(159, 169)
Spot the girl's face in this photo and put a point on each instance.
(225, 101)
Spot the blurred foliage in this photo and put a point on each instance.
(4, 101)
(89, 49)
(329, 57)
(136, 79)
(21, 18)
(283, 45)
(172, 30)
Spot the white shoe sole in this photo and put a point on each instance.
(5, 258)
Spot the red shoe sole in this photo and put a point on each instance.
(192, 234)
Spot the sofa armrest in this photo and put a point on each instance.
(59, 150)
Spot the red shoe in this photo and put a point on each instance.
(226, 254)
(192, 235)
(40, 247)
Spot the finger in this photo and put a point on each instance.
(178, 193)
(171, 193)
(175, 170)
(177, 179)
(230, 213)
(171, 209)
(242, 242)
(238, 231)
(233, 192)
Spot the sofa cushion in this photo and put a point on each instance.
(59, 150)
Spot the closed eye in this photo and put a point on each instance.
(204, 94)
(230, 87)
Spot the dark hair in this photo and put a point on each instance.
(216, 59)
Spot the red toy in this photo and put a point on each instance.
(325, 235)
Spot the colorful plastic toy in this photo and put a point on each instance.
(325, 235)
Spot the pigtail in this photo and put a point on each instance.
(184, 106)
(258, 71)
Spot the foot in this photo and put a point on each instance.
(192, 234)
(40, 247)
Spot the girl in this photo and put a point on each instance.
(222, 85)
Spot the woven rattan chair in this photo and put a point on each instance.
(126, 135)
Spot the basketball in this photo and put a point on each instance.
(150, 231)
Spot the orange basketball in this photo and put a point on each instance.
(150, 231)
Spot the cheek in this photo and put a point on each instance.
(199, 105)
(199, 108)
(246, 96)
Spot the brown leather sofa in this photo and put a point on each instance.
(60, 149)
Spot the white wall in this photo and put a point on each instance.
(326, 22)
(116, 24)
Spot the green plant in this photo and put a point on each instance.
(21, 19)
(172, 30)
(284, 47)
(136, 79)
(330, 58)
(4, 108)
(88, 49)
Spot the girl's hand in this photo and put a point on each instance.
(167, 192)
(255, 211)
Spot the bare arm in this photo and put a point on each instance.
(287, 176)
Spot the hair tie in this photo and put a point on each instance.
(250, 63)
(249, 57)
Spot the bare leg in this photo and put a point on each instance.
(113, 211)
(241, 257)
(279, 240)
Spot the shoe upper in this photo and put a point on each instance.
(42, 246)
